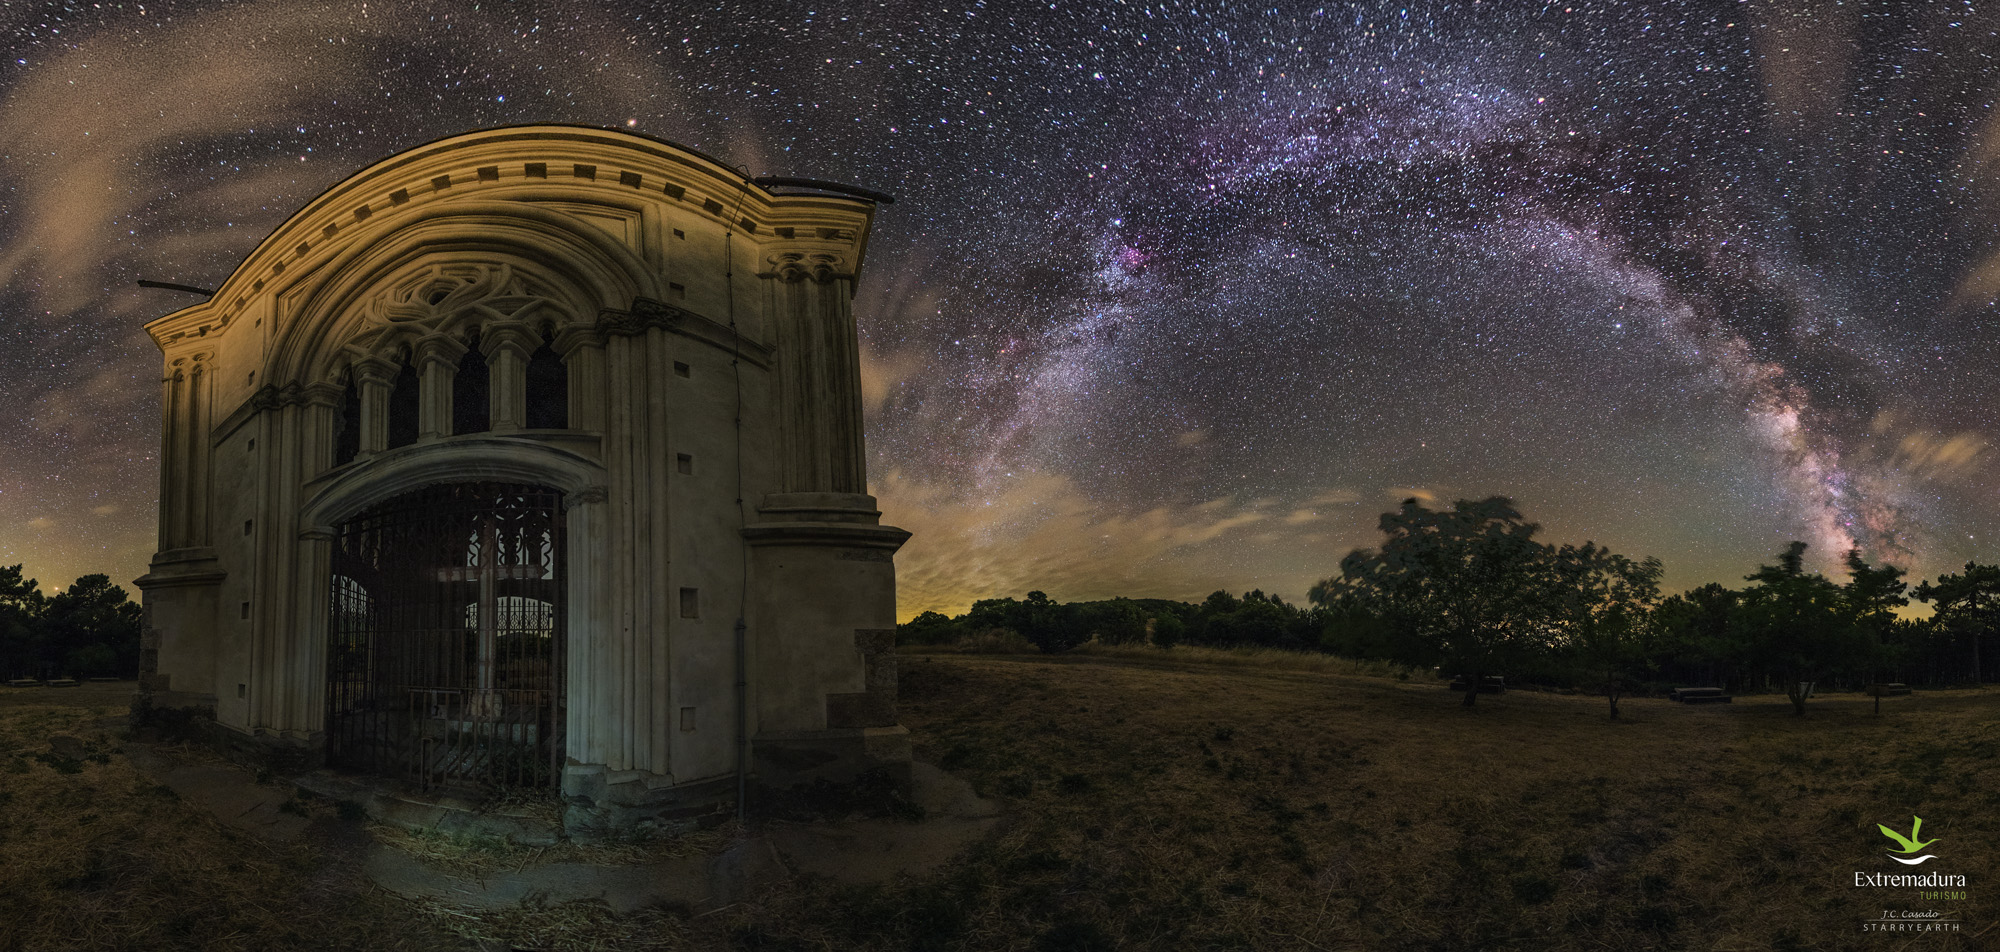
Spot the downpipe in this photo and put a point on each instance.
(742, 729)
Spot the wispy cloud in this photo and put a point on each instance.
(1042, 531)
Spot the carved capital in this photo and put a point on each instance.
(585, 496)
(818, 266)
(516, 337)
(570, 339)
(439, 349)
(323, 395)
(620, 323)
(375, 370)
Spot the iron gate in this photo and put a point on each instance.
(445, 644)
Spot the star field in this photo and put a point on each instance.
(1173, 297)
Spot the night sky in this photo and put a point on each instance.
(1173, 297)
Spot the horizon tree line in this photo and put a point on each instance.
(1472, 592)
(90, 629)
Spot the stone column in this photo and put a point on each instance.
(305, 719)
(437, 361)
(314, 548)
(590, 663)
(582, 350)
(508, 345)
(376, 376)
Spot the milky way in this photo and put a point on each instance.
(1173, 297)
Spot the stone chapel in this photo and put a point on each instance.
(532, 457)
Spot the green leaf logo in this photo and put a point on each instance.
(1909, 843)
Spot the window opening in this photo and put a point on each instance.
(471, 393)
(347, 428)
(548, 390)
(403, 407)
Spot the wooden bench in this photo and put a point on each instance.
(1701, 696)
(1490, 684)
(24, 683)
(64, 683)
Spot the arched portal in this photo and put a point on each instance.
(445, 647)
(360, 422)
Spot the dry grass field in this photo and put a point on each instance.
(1162, 803)
(95, 855)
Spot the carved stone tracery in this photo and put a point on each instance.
(448, 299)
(818, 266)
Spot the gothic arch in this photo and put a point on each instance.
(567, 270)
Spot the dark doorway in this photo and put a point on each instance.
(445, 645)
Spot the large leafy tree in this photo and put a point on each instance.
(1872, 595)
(1053, 626)
(1468, 587)
(1699, 634)
(1113, 621)
(1801, 626)
(1607, 601)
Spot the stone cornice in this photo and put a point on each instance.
(844, 534)
(551, 162)
(647, 313)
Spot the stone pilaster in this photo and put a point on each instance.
(173, 401)
(819, 373)
(199, 455)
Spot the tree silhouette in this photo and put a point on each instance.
(1968, 605)
(1608, 602)
(21, 606)
(1800, 626)
(1470, 587)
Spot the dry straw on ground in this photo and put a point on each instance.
(1163, 802)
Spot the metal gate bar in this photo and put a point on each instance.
(445, 642)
